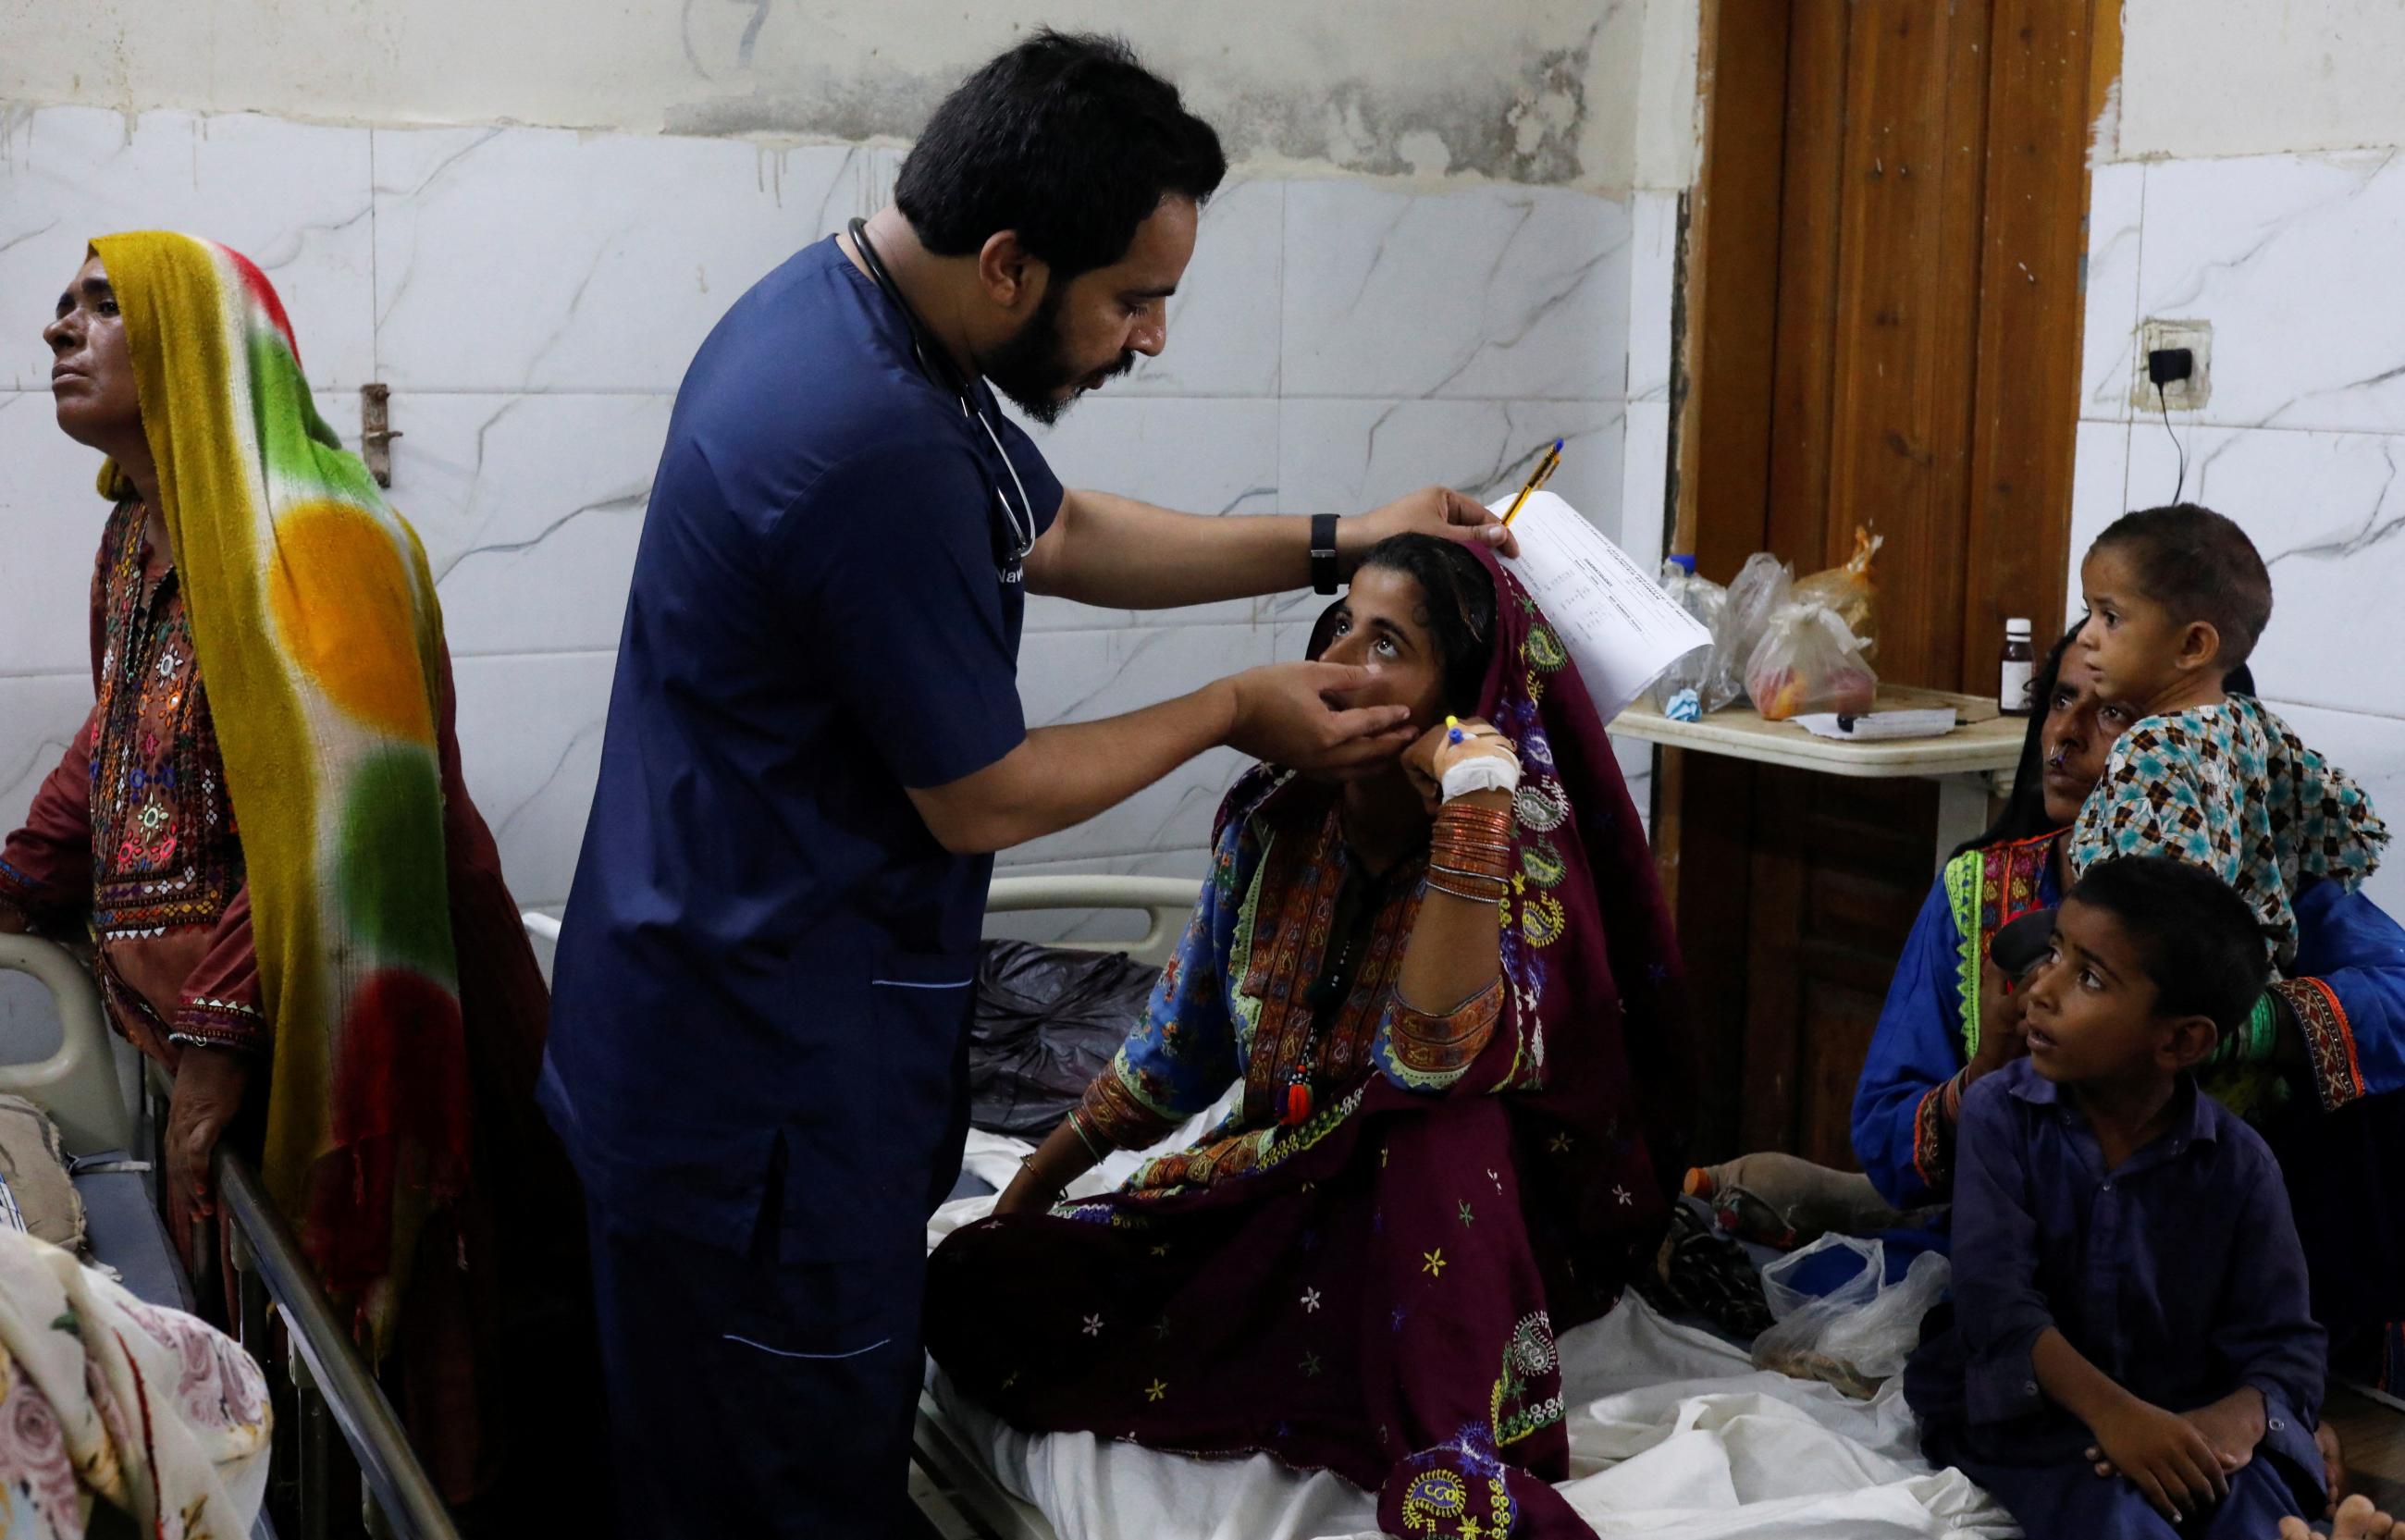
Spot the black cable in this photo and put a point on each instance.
(2180, 485)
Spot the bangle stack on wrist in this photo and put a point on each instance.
(1093, 1151)
(1470, 853)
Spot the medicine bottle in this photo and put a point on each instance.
(2015, 672)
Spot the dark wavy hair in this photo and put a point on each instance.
(2202, 945)
(1456, 605)
(2024, 815)
(2199, 565)
(1065, 139)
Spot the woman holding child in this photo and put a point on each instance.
(2317, 1065)
(2109, 1312)
(1449, 1136)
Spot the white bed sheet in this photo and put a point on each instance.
(1672, 1431)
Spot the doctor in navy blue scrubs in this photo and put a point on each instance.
(815, 744)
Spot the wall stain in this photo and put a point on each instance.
(1522, 128)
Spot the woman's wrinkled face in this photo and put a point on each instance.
(2080, 733)
(91, 363)
(1382, 622)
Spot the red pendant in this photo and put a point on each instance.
(1298, 1105)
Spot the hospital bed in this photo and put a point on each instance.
(109, 1115)
(1672, 1430)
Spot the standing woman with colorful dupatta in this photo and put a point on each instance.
(1450, 991)
(263, 829)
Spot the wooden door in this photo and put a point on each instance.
(1883, 306)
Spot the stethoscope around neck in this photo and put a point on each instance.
(937, 366)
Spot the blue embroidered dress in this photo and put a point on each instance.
(2342, 1147)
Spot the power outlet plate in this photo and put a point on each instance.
(2178, 394)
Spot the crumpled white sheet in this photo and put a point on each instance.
(1672, 1433)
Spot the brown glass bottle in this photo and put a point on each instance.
(2016, 671)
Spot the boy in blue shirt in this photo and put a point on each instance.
(2130, 1351)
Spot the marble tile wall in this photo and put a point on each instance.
(2291, 258)
(532, 298)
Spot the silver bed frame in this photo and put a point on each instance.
(332, 1390)
(326, 1388)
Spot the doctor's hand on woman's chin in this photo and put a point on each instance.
(1430, 511)
(1293, 714)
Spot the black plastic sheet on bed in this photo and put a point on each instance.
(1047, 1022)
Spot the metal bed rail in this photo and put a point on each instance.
(332, 1388)
(281, 1316)
(283, 1319)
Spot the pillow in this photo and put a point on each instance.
(34, 1166)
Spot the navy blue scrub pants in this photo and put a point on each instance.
(769, 1390)
(753, 1395)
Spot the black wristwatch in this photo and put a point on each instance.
(1323, 552)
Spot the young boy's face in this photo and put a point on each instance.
(2130, 642)
(2090, 1005)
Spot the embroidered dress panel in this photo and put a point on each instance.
(165, 850)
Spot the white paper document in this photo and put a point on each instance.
(1925, 723)
(1621, 629)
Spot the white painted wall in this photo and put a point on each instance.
(2220, 77)
(1541, 90)
(532, 296)
(2224, 195)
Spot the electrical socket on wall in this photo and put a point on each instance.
(2186, 395)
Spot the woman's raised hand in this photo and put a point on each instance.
(1435, 752)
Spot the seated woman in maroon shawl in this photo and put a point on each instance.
(1452, 1021)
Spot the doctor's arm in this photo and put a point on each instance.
(1118, 553)
(1062, 775)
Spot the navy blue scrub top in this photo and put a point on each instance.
(763, 981)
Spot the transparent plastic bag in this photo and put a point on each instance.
(1857, 1335)
(1704, 599)
(1850, 591)
(1808, 661)
(1761, 586)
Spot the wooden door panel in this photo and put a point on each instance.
(1806, 339)
(1883, 292)
(1907, 214)
(1724, 460)
(1836, 1020)
(2030, 300)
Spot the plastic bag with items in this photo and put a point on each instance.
(1850, 591)
(1809, 661)
(1856, 1335)
(1687, 688)
(1761, 586)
